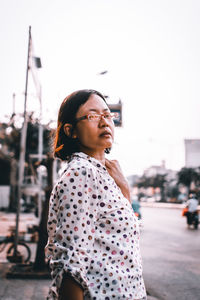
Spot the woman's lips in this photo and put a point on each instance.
(105, 134)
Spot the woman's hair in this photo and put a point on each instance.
(65, 146)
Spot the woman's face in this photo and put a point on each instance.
(94, 136)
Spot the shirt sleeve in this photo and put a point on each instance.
(71, 226)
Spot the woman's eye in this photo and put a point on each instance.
(92, 117)
(107, 116)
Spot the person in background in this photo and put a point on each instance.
(192, 214)
(93, 244)
(136, 206)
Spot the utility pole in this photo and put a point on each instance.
(22, 150)
(14, 96)
(40, 157)
(38, 65)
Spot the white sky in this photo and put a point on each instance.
(151, 49)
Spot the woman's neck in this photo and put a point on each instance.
(100, 155)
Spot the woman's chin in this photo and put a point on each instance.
(108, 145)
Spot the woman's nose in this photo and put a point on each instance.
(103, 121)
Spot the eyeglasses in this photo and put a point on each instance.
(97, 117)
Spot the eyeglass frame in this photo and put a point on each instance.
(112, 115)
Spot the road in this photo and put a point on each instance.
(171, 255)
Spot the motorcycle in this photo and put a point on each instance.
(192, 219)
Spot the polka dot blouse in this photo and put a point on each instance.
(93, 234)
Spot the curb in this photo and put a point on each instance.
(164, 205)
(26, 271)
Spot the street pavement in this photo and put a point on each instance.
(170, 253)
(37, 289)
(21, 289)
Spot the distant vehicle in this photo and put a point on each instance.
(136, 207)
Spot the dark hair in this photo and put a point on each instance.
(65, 146)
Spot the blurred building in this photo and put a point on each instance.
(132, 179)
(152, 171)
(192, 153)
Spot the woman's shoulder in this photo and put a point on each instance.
(79, 163)
(77, 168)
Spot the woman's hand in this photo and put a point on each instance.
(115, 172)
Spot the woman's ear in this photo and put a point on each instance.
(68, 129)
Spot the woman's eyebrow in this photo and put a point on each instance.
(97, 110)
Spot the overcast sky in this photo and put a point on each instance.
(151, 49)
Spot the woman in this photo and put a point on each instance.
(93, 244)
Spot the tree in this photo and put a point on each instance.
(144, 182)
(173, 192)
(158, 180)
(188, 175)
(10, 134)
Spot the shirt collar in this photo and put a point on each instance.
(95, 162)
